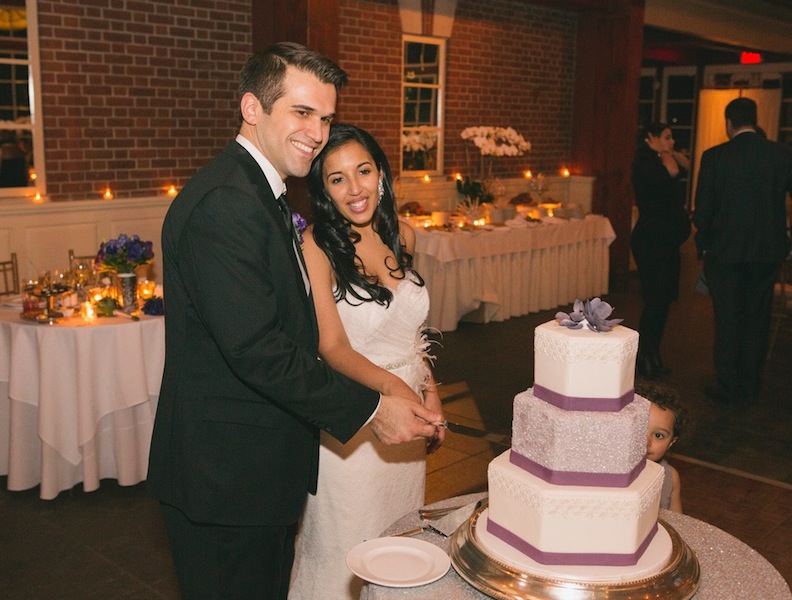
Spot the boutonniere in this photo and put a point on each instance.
(300, 224)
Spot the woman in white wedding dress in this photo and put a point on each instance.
(371, 307)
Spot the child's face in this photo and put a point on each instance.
(661, 432)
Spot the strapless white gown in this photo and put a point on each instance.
(364, 486)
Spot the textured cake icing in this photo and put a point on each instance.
(546, 442)
(576, 488)
(581, 525)
(579, 369)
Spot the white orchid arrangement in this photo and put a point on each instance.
(497, 141)
(419, 139)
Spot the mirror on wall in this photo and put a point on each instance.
(21, 147)
(423, 92)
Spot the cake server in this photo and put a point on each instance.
(497, 438)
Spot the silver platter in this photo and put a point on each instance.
(678, 580)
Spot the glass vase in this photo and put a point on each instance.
(127, 291)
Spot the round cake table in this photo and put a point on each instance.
(729, 568)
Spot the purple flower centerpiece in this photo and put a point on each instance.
(300, 225)
(594, 313)
(124, 254)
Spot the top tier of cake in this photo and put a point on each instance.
(580, 369)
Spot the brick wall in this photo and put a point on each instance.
(140, 97)
(137, 97)
(509, 63)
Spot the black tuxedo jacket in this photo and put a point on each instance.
(740, 200)
(243, 394)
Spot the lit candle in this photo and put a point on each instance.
(528, 174)
(427, 179)
(146, 289)
(108, 193)
(172, 191)
(38, 198)
(564, 172)
(88, 312)
(458, 176)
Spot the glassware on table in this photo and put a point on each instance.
(146, 289)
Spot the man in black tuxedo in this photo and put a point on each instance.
(742, 235)
(235, 443)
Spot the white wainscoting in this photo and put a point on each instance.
(441, 193)
(42, 234)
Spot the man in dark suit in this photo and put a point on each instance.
(235, 443)
(742, 235)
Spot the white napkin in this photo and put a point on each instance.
(13, 302)
(449, 523)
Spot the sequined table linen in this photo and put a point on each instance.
(729, 568)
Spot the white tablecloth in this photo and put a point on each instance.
(77, 401)
(507, 272)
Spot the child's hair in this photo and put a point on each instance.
(668, 399)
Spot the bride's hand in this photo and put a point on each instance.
(432, 402)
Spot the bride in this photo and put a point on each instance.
(371, 306)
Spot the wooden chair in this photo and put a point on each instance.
(9, 276)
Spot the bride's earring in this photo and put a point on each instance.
(381, 191)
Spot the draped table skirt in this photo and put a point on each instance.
(493, 275)
(77, 401)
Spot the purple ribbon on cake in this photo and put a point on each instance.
(583, 403)
(571, 558)
(619, 480)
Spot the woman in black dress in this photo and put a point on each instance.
(663, 226)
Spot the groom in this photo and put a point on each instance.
(235, 443)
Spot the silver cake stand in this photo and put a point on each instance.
(678, 580)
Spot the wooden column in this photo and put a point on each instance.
(310, 22)
(605, 120)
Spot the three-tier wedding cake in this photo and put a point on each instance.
(576, 488)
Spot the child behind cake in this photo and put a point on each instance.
(667, 418)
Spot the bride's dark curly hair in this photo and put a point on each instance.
(334, 234)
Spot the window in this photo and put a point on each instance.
(423, 88)
(21, 135)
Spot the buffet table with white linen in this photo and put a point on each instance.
(729, 568)
(495, 273)
(77, 400)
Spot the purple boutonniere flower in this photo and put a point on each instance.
(300, 225)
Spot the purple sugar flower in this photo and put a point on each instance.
(594, 313)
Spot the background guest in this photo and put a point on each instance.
(663, 226)
(742, 236)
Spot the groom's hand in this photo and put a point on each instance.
(400, 420)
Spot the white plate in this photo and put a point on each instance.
(398, 561)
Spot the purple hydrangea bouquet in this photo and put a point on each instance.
(124, 254)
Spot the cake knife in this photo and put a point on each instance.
(496, 438)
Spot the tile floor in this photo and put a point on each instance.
(736, 465)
